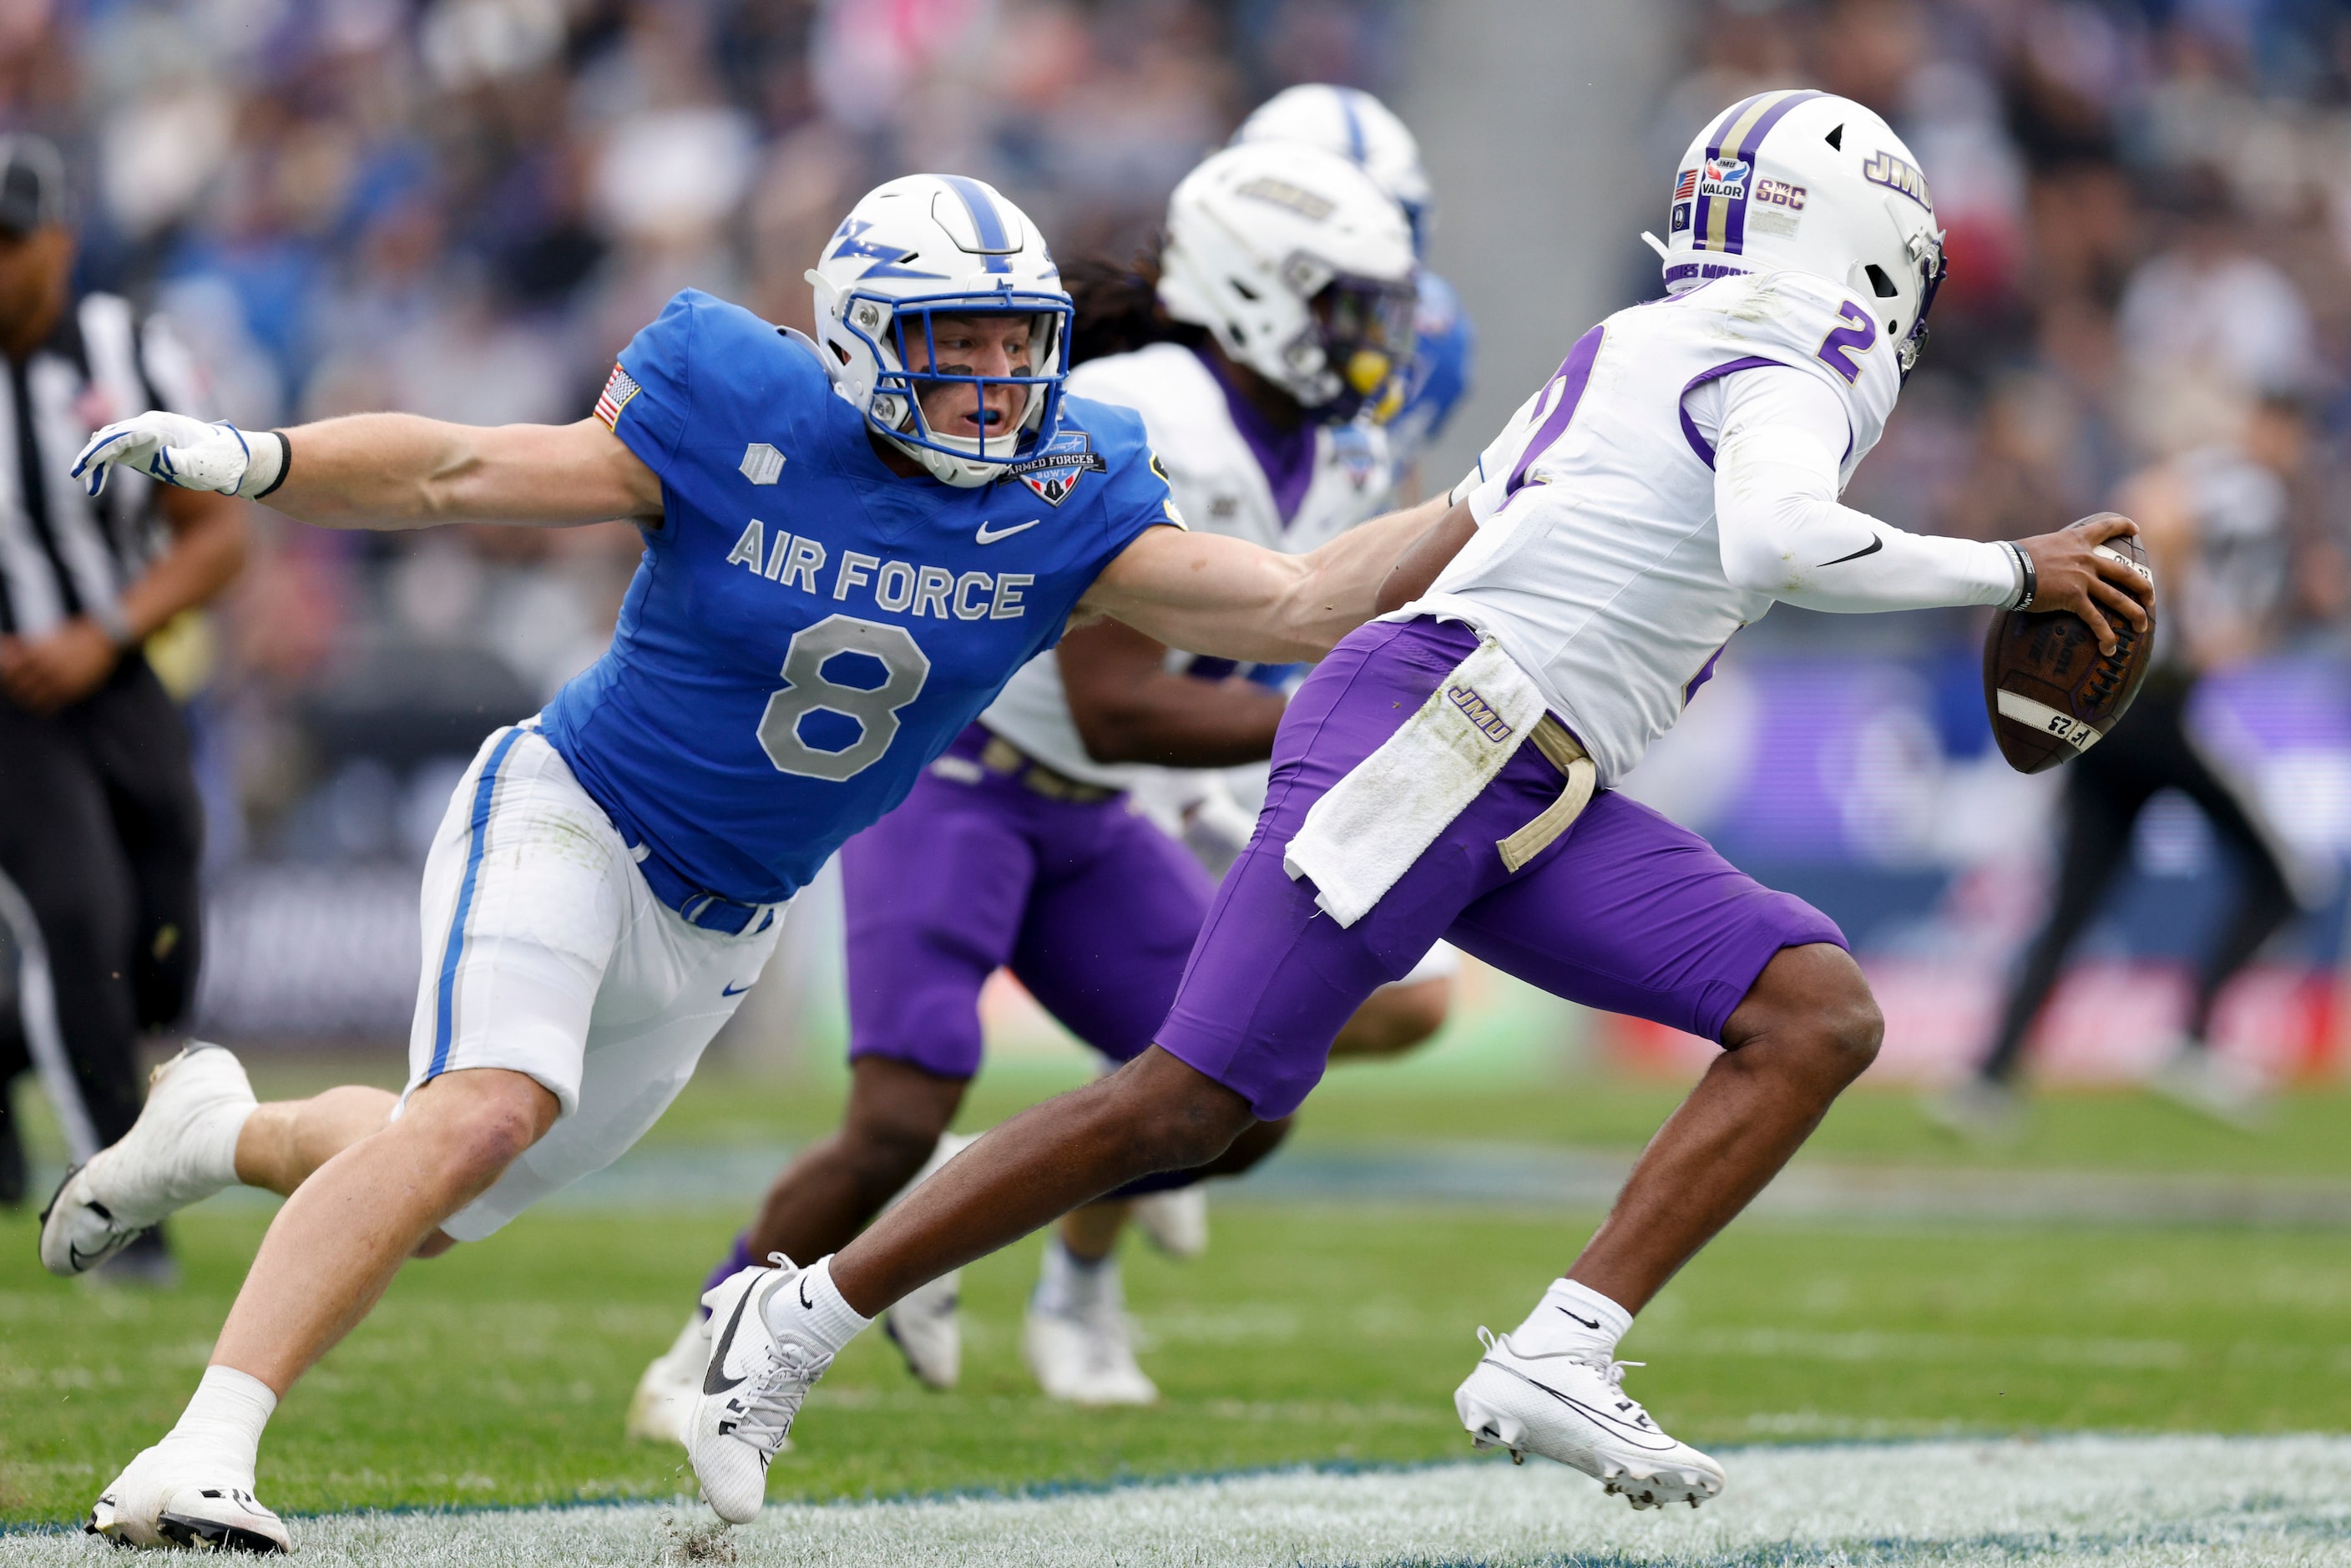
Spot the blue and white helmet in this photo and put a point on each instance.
(939, 244)
(1808, 182)
(1356, 126)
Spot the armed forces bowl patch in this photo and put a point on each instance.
(619, 388)
(1059, 465)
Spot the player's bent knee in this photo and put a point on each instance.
(1815, 999)
(1394, 1019)
(483, 1119)
(1175, 1116)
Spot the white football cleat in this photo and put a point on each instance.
(1573, 1407)
(165, 1498)
(1086, 1356)
(1176, 1222)
(662, 1408)
(179, 1151)
(752, 1387)
(925, 1329)
(2227, 1090)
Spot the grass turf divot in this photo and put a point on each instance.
(2116, 1503)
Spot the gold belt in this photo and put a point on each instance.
(1562, 751)
(1002, 757)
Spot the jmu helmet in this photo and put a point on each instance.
(1356, 126)
(923, 246)
(1808, 182)
(1302, 266)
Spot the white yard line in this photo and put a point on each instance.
(2115, 1502)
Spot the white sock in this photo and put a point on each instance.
(226, 1419)
(212, 1142)
(826, 1322)
(1572, 1317)
(1068, 1285)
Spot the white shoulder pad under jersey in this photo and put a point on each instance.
(1220, 488)
(1218, 483)
(1597, 564)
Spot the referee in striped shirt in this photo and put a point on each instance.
(99, 825)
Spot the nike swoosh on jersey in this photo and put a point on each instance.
(1876, 543)
(732, 989)
(714, 1380)
(1641, 1437)
(988, 536)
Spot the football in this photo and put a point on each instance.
(2051, 694)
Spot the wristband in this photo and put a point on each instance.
(2027, 583)
(107, 615)
(285, 465)
(269, 459)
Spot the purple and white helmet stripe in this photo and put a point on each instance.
(1727, 178)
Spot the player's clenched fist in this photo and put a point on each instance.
(186, 452)
(2071, 571)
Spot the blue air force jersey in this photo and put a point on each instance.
(808, 629)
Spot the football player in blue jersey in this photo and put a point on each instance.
(850, 544)
(1031, 844)
(1356, 125)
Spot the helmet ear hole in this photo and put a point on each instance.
(1835, 138)
(1880, 282)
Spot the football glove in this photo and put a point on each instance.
(178, 450)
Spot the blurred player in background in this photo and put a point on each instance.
(609, 875)
(100, 828)
(1436, 775)
(2215, 524)
(1360, 128)
(1276, 312)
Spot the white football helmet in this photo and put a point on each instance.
(1303, 268)
(1357, 127)
(1809, 182)
(939, 244)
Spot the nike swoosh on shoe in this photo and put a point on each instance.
(714, 1380)
(1640, 1436)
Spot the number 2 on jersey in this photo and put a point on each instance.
(807, 688)
(1837, 349)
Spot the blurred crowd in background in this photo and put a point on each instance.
(464, 207)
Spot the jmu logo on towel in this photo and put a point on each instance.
(1482, 713)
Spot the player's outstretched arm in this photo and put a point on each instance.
(1207, 593)
(391, 470)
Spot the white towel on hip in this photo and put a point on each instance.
(1366, 831)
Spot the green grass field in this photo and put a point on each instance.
(499, 1373)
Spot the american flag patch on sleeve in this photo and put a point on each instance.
(618, 391)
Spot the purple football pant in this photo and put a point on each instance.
(1093, 908)
(1626, 911)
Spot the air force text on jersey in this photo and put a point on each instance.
(908, 587)
(800, 642)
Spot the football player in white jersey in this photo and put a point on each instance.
(1278, 312)
(1443, 772)
(1360, 128)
